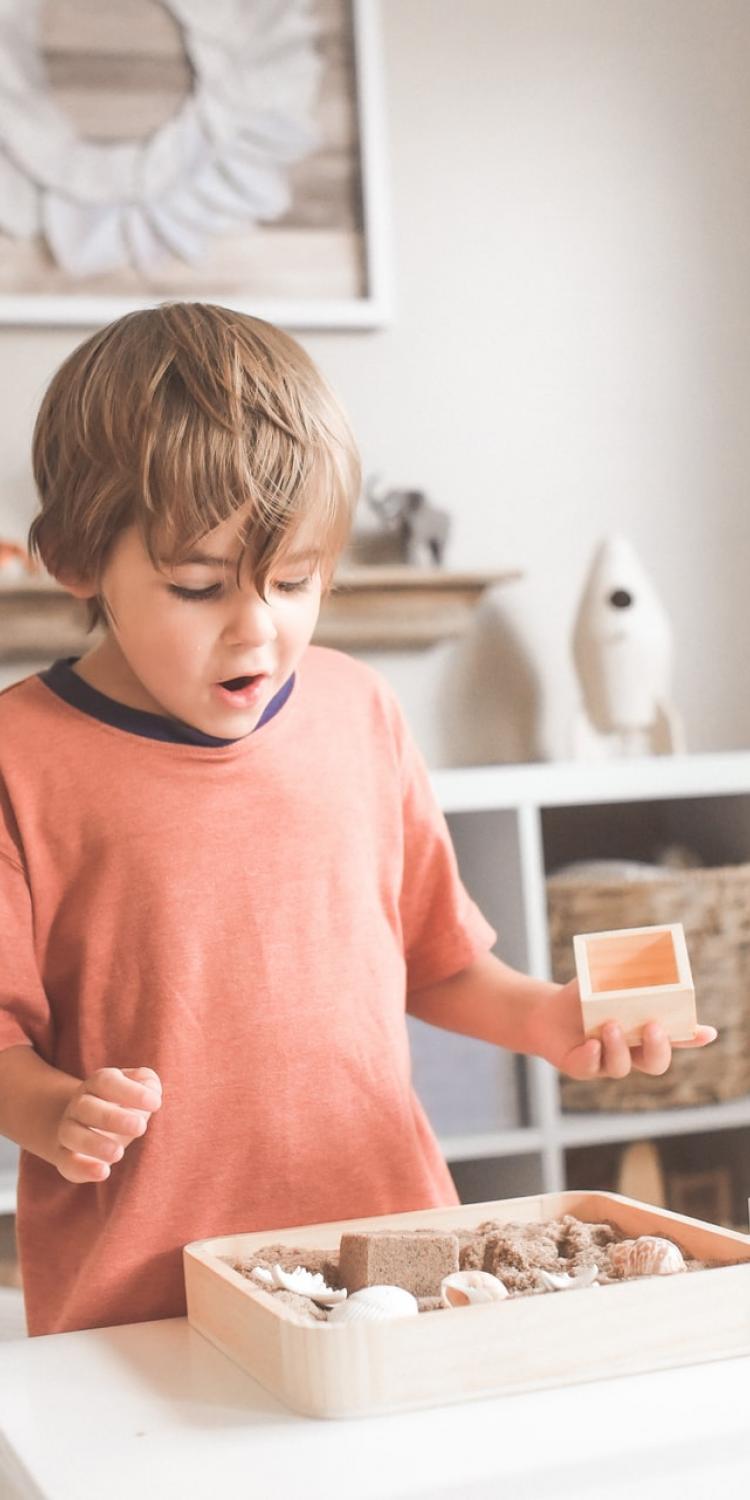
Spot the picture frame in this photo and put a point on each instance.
(364, 247)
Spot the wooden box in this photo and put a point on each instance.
(555, 1338)
(635, 975)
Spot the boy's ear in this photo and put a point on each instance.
(80, 588)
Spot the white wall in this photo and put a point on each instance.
(571, 350)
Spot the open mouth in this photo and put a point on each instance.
(242, 691)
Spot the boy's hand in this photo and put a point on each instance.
(564, 1045)
(107, 1111)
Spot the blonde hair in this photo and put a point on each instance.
(176, 418)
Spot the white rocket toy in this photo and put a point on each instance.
(622, 647)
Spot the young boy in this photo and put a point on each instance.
(222, 870)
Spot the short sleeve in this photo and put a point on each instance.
(444, 931)
(24, 1008)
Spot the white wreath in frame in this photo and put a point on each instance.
(217, 165)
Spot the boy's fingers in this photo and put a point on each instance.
(585, 1061)
(150, 1081)
(91, 1143)
(616, 1059)
(612, 1058)
(654, 1054)
(144, 1075)
(703, 1035)
(111, 1109)
(118, 1087)
(79, 1168)
(98, 1114)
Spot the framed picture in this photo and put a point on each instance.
(217, 150)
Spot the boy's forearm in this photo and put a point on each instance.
(33, 1097)
(488, 1000)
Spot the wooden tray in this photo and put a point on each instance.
(356, 1369)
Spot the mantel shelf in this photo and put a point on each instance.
(396, 607)
(392, 607)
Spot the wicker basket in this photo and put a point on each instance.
(713, 906)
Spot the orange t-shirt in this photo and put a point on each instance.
(248, 920)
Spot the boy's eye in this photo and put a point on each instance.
(181, 593)
(292, 585)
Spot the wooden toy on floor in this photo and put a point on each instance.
(636, 975)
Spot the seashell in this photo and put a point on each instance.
(307, 1284)
(464, 1287)
(647, 1256)
(563, 1281)
(374, 1304)
(263, 1275)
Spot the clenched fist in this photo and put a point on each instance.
(107, 1111)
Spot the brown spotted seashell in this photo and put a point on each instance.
(647, 1256)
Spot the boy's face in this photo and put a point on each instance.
(179, 638)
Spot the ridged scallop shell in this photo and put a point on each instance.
(464, 1287)
(375, 1304)
(647, 1256)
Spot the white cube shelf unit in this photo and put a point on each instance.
(511, 826)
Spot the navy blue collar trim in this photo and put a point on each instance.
(66, 683)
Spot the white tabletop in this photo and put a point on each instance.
(153, 1410)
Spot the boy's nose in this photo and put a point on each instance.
(251, 621)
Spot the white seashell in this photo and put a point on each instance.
(647, 1256)
(308, 1284)
(564, 1282)
(263, 1275)
(374, 1304)
(464, 1287)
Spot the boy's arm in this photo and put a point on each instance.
(79, 1127)
(33, 1097)
(495, 1003)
